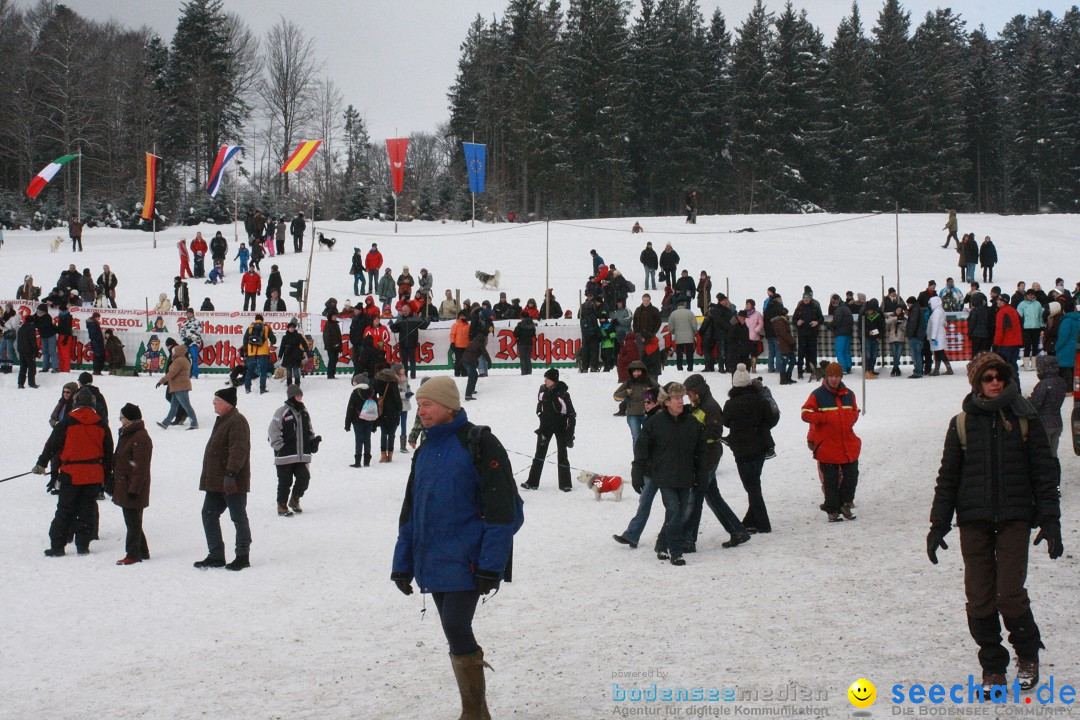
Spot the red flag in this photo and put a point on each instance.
(396, 148)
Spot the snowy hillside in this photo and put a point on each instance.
(315, 629)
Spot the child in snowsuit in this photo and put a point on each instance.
(242, 255)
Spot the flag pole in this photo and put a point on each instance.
(153, 210)
(235, 191)
(311, 256)
(395, 212)
(78, 205)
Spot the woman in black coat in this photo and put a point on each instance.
(988, 258)
(389, 398)
(750, 417)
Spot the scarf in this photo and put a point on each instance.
(1010, 397)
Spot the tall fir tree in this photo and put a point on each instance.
(848, 116)
(982, 113)
(754, 154)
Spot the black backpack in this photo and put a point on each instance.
(256, 335)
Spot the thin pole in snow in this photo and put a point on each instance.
(78, 196)
(473, 208)
(547, 269)
(897, 247)
(311, 256)
(727, 286)
(862, 331)
(153, 210)
(235, 203)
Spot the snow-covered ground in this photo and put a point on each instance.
(315, 629)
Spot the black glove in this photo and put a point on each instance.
(935, 539)
(570, 441)
(1052, 535)
(403, 582)
(50, 487)
(637, 481)
(39, 470)
(487, 581)
(228, 485)
(315, 443)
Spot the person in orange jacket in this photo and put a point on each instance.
(832, 413)
(459, 340)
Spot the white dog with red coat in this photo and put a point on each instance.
(602, 484)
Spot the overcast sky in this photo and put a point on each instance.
(395, 60)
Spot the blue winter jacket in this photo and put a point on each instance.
(452, 524)
(1065, 349)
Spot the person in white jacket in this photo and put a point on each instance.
(935, 335)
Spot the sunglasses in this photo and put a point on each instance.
(993, 378)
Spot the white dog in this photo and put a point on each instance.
(601, 484)
(55, 243)
(487, 281)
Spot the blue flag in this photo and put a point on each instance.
(475, 161)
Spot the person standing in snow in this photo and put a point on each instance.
(557, 419)
(131, 481)
(996, 504)
(832, 412)
(294, 442)
(650, 262)
(84, 446)
(669, 265)
(297, 228)
(456, 528)
(226, 482)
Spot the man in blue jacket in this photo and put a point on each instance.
(457, 525)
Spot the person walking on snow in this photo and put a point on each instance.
(832, 412)
(456, 528)
(557, 419)
(294, 442)
(999, 479)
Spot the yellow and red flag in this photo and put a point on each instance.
(300, 157)
(151, 187)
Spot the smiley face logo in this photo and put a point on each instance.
(862, 693)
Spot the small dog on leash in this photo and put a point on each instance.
(55, 243)
(325, 242)
(279, 373)
(488, 282)
(601, 484)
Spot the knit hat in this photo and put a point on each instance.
(1055, 308)
(131, 412)
(695, 383)
(228, 395)
(84, 398)
(986, 361)
(671, 390)
(443, 390)
(637, 365)
(86, 378)
(834, 368)
(552, 374)
(43, 308)
(720, 297)
(397, 368)
(294, 392)
(741, 376)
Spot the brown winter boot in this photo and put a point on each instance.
(382, 457)
(294, 503)
(390, 456)
(937, 367)
(469, 671)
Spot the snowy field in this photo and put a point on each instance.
(315, 629)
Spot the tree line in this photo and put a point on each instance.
(592, 113)
(585, 111)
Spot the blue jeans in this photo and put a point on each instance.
(260, 364)
(644, 507)
(362, 434)
(404, 423)
(786, 363)
(650, 276)
(7, 350)
(180, 400)
(49, 359)
(915, 350)
(373, 280)
(193, 351)
(1011, 355)
(870, 354)
(673, 535)
(214, 504)
(897, 351)
(721, 509)
(775, 358)
(470, 386)
(970, 272)
(843, 352)
(359, 287)
(635, 422)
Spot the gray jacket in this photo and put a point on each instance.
(682, 324)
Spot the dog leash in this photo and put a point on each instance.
(545, 460)
(530, 465)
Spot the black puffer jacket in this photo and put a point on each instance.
(555, 410)
(293, 349)
(386, 390)
(290, 434)
(748, 414)
(671, 451)
(707, 412)
(998, 477)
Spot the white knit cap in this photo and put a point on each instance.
(741, 378)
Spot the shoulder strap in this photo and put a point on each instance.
(961, 428)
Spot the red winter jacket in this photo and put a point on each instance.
(1007, 331)
(251, 283)
(84, 445)
(198, 245)
(832, 415)
(373, 261)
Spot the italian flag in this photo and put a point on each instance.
(42, 178)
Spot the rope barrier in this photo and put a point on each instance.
(516, 226)
(720, 232)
